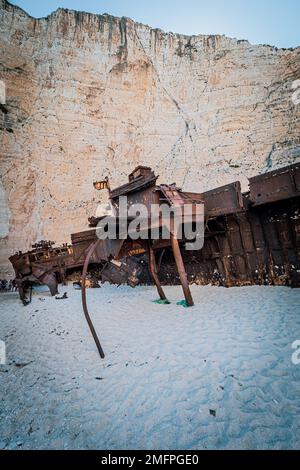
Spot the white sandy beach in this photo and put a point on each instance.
(216, 376)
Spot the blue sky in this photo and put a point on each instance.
(275, 22)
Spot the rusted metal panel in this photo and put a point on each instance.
(141, 171)
(137, 184)
(224, 200)
(275, 186)
(122, 271)
(79, 237)
(144, 196)
(296, 176)
(246, 232)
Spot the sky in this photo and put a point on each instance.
(274, 22)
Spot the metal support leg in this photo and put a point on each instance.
(153, 270)
(21, 285)
(83, 292)
(181, 271)
(50, 280)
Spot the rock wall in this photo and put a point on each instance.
(93, 95)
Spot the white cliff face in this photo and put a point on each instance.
(90, 96)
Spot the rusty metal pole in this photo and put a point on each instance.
(153, 270)
(181, 270)
(83, 292)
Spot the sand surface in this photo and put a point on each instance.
(215, 376)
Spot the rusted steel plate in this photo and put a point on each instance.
(275, 186)
(122, 271)
(136, 185)
(224, 200)
(88, 235)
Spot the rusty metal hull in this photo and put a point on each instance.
(258, 246)
(254, 238)
(250, 238)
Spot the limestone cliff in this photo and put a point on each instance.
(93, 95)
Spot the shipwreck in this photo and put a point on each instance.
(249, 238)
